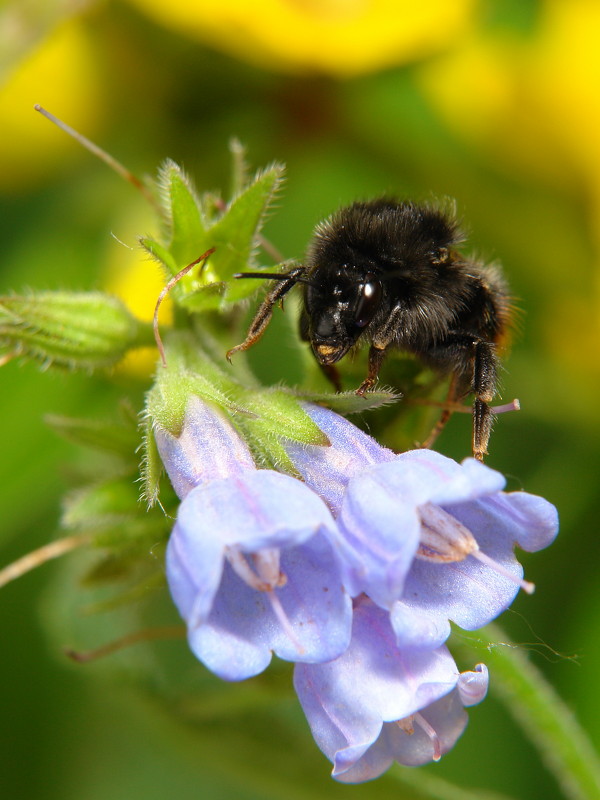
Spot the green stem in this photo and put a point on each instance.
(550, 725)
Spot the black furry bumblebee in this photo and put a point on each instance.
(388, 273)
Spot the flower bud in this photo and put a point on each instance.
(81, 330)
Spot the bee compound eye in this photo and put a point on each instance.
(369, 299)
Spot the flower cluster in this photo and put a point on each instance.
(353, 573)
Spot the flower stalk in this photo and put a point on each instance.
(545, 718)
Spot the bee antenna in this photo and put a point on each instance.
(273, 276)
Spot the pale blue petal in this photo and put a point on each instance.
(468, 592)
(422, 476)
(446, 716)
(473, 686)
(525, 519)
(194, 565)
(346, 701)
(381, 535)
(327, 470)
(242, 631)
(255, 510)
(416, 627)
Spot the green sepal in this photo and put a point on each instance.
(160, 253)
(151, 467)
(278, 413)
(188, 372)
(184, 212)
(79, 330)
(261, 416)
(235, 233)
(194, 229)
(347, 403)
(168, 399)
(239, 167)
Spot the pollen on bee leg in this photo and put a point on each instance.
(445, 540)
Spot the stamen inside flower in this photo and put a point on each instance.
(267, 577)
(444, 540)
(266, 563)
(407, 725)
(433, 737)
(243, 570)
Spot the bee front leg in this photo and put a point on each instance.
(376, 358)
(265, 310)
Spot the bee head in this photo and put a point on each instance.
(339, 307)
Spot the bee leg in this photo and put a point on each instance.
(473, 362)
(451, 398)
(376, 358)
(265, 310)
(333, 376)
(484, 386)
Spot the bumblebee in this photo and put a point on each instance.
(389, 273)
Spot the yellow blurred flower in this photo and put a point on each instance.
(533, 105)
(61, 73)
(339, 37)
(136, 279)
(534, 100)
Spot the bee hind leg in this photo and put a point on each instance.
(473, 364)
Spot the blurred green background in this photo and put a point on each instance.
(493, 103)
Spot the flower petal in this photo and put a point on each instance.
(243, 630)
(473, 686)
(381, 538)
(327, 470)
(194, 564)
(468, 592)
(254, 510)
(527, 519)
(418, 628)
(422, 476)
(347, 700)
(445, 716)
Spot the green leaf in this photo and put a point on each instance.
(105, 503)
